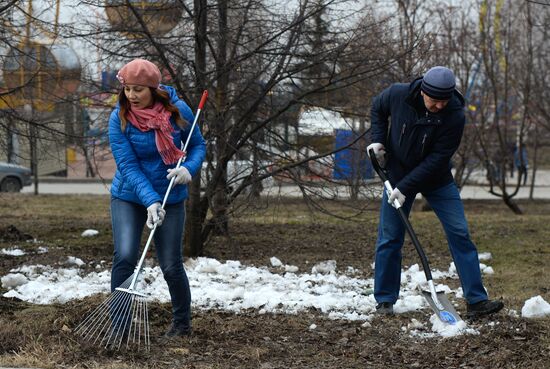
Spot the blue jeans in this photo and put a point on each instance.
(447, 205)
(128, 220)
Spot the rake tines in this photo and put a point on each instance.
(121, 319)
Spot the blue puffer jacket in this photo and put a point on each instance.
(419, 144)
(141, 174)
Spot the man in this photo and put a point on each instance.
(416, 145)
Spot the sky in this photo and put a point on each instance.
(337, 291)
(84, 14)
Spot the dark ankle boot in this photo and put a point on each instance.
(483, 308)
(384, 308)
(178, 330)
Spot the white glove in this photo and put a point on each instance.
(155, 215)
(396, 195)
(182, 175)
(379, 152)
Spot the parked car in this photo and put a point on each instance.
(13, 177)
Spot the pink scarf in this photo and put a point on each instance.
(158, 119)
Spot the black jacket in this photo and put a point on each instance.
(419, 144)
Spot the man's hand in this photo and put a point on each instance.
(155, 215)
(379, 152)
(182, 175)
(396, 195)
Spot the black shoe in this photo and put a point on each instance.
(178, 330)
(384, 308)
(483, 308)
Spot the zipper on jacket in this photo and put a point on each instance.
(423, 143)
(402, 133)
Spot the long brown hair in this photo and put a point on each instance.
(158, 96)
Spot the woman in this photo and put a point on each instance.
(145, 131)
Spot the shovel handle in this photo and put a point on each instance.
(377, 167)
(384, 177)
(382, 174)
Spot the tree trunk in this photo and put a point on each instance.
(12, 153)
(89, 167)
(219, 208)
(256, 187)
(512, 205)
(219, 196)
(194, 218)
(535, 164)
(193, 222)
(359, 151)
(33, 139)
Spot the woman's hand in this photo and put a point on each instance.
(155, 215)
(182, 175)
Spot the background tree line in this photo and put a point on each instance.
(264, 63)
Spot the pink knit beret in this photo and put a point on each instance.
(140, 72)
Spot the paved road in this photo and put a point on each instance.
(468, 192)
(67, 188)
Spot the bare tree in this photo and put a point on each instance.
(538, 108)
(39, 76)
(504, 117)
(257, 64)
(456, 46)
(265, 64)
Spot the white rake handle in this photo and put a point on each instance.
(170, 185)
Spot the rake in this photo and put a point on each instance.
(123, 318)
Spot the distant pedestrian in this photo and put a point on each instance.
(145, 131)
(416, 129)
(521, 164)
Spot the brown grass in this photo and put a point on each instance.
(40, 336)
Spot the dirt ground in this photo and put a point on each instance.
(41, 335)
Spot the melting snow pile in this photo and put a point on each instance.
(18, 252)
(90, 233)
(438, 328)
(234, 287)
(485, 256)
(13, 252)
(447, 330)
(535, 307)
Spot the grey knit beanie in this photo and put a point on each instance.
(438, 83)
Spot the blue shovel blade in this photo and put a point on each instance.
(448, 314)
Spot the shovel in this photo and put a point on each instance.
(438, 301)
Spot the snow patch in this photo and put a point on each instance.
(13, 252)
(535, 307)
(13, 280)
(485, 256)
(415, 324)
(486, 269)
(90, 233)
(291, 268)
(450, 330)
(324, 267)
(231, 286)
(75, 261)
